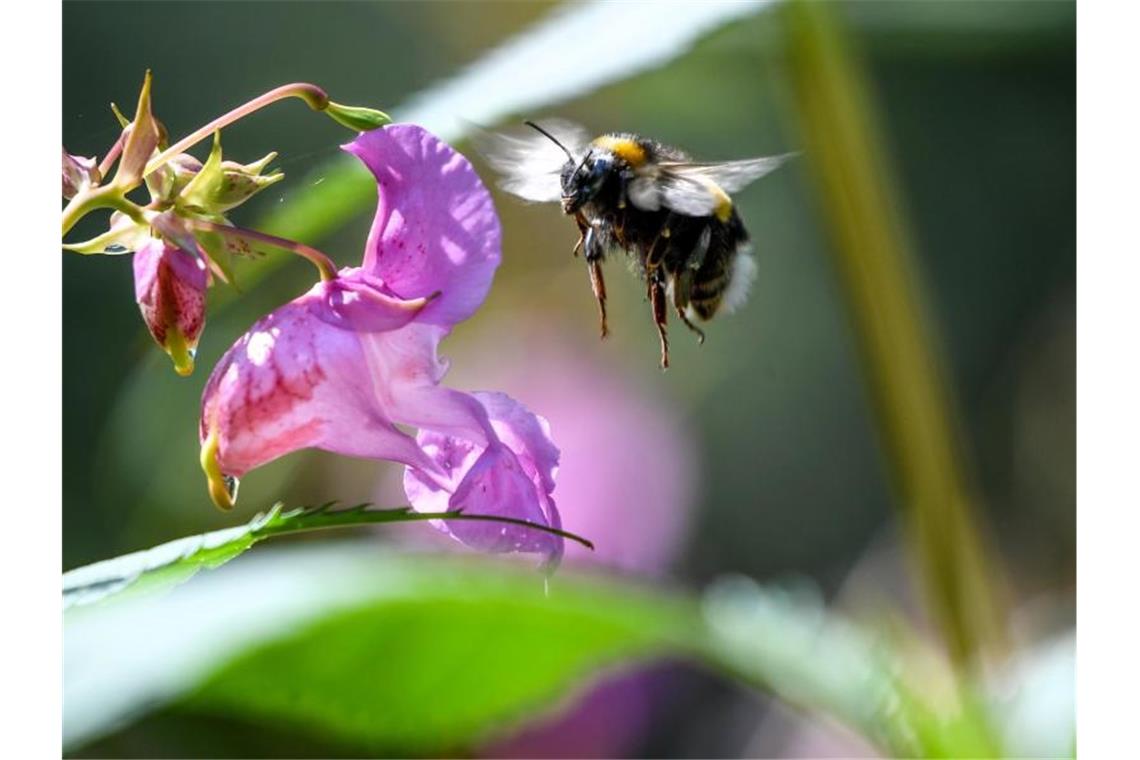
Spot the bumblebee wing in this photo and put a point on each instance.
(697, 189)
(528, 163)
(733, 175)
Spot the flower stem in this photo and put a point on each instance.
(106, 196)
(325, 265)
(112, 155)
(316, 98)
(898, 345)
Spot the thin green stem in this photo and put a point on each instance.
(314, 96)
(325, 265)
(105, 196)
(341, 518)
(899, 351)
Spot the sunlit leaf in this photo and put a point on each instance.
(176, 561)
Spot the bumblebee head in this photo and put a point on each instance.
(581, 180)
(582, 183)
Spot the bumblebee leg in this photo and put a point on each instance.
(599, 284)
(656, 253)
(657, 298)
(659, 248)
(680, 289)
(583, 228)
(594, 256)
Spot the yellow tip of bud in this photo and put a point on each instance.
(222, 488)
(181, 353)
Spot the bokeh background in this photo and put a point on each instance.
(756, 453)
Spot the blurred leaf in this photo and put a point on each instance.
(444, 661)
(604, 52)
(177, 561)
(1035, 700)
(435, 654)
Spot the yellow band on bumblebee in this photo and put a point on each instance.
(624, 148)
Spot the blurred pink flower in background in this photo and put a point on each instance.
(628, 472)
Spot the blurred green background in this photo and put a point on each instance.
(978, 109)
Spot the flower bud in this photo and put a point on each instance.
(222, 185)
(168, 180)
(170, 287)
(241, 182)
(79, 173)
(357, 117)
(141, 140)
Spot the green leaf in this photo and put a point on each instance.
(430, 655)
(454, 652)
(177, 561)
(162, 566)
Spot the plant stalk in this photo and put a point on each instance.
(325, 265)
(314, 96)
(899, 351)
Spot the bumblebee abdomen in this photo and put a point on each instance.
(719, 277)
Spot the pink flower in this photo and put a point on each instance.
(170, 287)
(340, 367)
(629, 463)
(79, 173)
(499, 479)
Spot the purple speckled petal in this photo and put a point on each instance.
(435, 228)
(296, 381)
(513, 477)
(170, 287)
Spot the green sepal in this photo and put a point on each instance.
(141, 142)
(240, 184)
(219, 253)
(168, 180)
(124, 122)
(223, 185)
(125, 235)
(357, 117)
(205, 185)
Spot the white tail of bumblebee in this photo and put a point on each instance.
(740, 279)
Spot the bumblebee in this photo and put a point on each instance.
(672, 216)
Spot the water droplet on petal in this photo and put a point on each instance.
(231, 484)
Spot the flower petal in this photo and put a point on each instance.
(355, 301)
(512, 477)
(435, 229)
(170, 287)
(406, 370)
(525, 432)
(297, 381)
(79, 173)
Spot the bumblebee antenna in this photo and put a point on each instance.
(550, 137)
